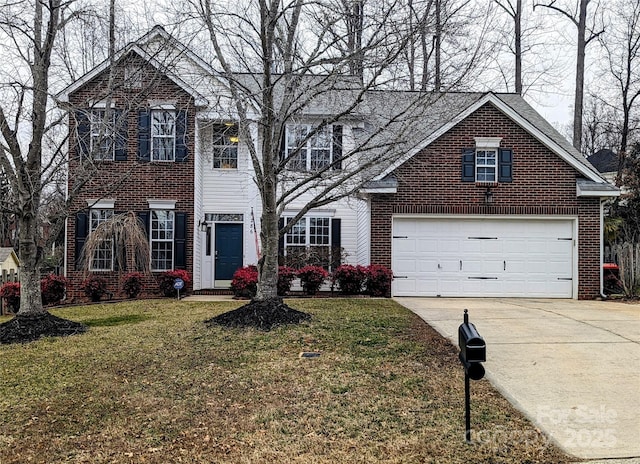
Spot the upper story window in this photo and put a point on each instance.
(487, 162)
(311, 149)
(163, 135)
(101, 134)
(102, 131)
(162, 235)
(225, 146)
(486, 165)
(102, 259)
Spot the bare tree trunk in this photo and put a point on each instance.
(437, 40)
(518, 45)
(579, 91)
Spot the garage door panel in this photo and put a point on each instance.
(483, 257)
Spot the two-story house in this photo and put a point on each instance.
(489, 201)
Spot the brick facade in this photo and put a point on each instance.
(543, 184)
(131, 182)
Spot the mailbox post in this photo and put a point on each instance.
(473, 352)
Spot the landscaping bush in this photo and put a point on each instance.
(94, 287)
(244, 283)
(285, 277)
(11, 294)
(53, 288)
(167, 278)
(378, 281)
(132, 284)
(312, 278)
(350, 278)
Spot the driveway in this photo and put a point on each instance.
(573, 367)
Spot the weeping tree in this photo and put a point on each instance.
(123, 237)
(280, 61)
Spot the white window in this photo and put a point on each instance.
(308, 242)
(102, 134)
(162, 233)
(163, 135)
(308, 153)
(225, 146)
(486, 165)
(102, 259)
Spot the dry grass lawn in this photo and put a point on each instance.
(150, 383)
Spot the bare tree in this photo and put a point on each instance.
(515, 12)
(311, 77)
(621, 44)
(27, 160)
(586, 34)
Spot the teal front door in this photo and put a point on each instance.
(228, 250)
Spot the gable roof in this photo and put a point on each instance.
(6, 252)
(159, 49)
(604, 160)
(519, 111)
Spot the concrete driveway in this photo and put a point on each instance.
(571, 366)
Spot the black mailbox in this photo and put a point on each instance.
(472, 346)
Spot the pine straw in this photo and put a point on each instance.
(164, 387)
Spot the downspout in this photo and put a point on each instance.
(602, 294)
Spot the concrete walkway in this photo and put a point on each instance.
(571, 366)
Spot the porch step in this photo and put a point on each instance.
(213, 291)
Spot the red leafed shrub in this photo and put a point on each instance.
(11, 294)
(132, 284)
(53, 288)
(94, 287)
(285, 277)
(312, 278)
(378, 282)
(350, 278)
(167, 278)
(244, 282)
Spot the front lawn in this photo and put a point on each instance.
(151, 383)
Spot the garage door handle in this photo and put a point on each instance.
(504, 265)
(460, 264)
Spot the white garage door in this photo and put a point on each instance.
(483, 257)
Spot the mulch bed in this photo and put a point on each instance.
(24, 329)
(261, 315)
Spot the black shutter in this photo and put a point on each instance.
(337, 147)
(280, 242)
(82, 230)
(505, 165)
(468, 165)
(181, 136)
(83, 133)
(144, 218)
(121, 129)
(336, 247)
(180, 241)
(144, 135)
